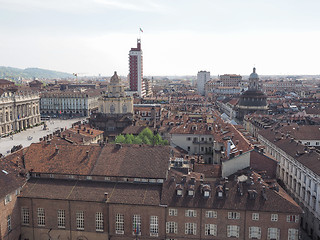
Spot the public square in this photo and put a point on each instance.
(32, 135)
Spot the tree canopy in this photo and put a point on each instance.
(145, 137)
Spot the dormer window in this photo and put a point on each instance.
(206, 194)
(220, 194)
(179, 192)
(190, 192)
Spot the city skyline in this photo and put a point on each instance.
(180, 38)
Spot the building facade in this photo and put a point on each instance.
(230, 80)
(115, 101)
(136, 70)
(300, 173)
(18, 110)
(69, 103)
(202, 78)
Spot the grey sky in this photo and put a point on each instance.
(180, 37)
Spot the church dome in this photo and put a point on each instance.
(114, 80)
(254, 74)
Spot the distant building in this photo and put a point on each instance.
(252, 100)
(230, 80)
(69, 103)
(115, 109)
(136, 70)
(18, 110)
(202, 78)
(115, 101)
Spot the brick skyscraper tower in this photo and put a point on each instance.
(136, 70)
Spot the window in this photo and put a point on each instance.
(61, 218)
(293, 234)
(99, 222)
(273, 234)
(172, 227)
(255, 232)
(25, 216)
(255, 216)
(173, 212)
(7, 199)
(119, 224)
(191, 228)
(41, 217)
(191, 213)
(274, 217)
(292, 218)
(188, 138)
(154, 228)
(136, 225)
(211, 214)
(233, 215)
(9, 223)
(80, 220)
(233, 231)
(210, 230)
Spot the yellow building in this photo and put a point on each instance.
(116, 101)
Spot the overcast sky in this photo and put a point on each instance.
(181, 37)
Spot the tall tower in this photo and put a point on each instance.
(136, 70)
(202, 78)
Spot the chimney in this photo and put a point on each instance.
(228, 148)
(56, 150)
(118, 146)
(263, 192)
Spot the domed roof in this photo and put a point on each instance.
(254, 74)
(114, 80)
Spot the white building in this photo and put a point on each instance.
(18, 110)
(202, 78)
(299, 169)
(69, 103)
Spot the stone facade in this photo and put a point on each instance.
(18, 110)
(115, 101)
(69, 103)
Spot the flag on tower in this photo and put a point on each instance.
(141, 30)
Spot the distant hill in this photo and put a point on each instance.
(14, 73)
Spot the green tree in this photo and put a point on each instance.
(157, 139)
(146, 132)
(137, 140)
(120, 139)
(146, 140)
(129, 139)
